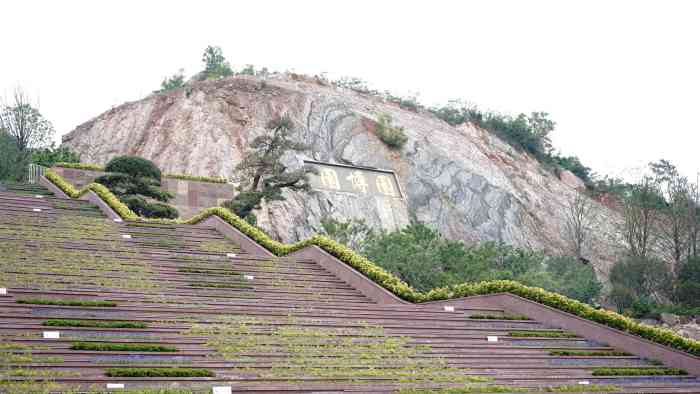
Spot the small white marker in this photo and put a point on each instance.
(39, 196)
(3, 291)
(248, 277)
(36, 209)
(118, 220)
(584, 382)
(449, 309)
(52, 335)
(115, 385)
(221, 390)
(492, 338)
(126, 236)
(231, 255)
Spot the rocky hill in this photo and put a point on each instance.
(463, 180)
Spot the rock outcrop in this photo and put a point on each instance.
(463, 180)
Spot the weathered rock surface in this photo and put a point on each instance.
(463, 180)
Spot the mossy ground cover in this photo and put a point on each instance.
(38, 255)
(355, 354)
(218, 246)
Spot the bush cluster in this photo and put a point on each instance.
(168, 372)
(391, 135)
(395, 285)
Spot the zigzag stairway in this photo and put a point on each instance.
(137, 306)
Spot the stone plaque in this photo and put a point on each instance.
(358, 180)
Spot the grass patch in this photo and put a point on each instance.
(90, 323)
(588, 353)
(496, 317)
(122, 347)
(542, 334)
(638, 371)
(176, 372)
(43, 301)
(220, 285)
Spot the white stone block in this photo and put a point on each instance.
(52, 335)
(248, 277)
(126, 236)
(39, 196)
(3, 291)
(221, 390)
(36, 209)
(231, 255)
(118, 220)
(492, 338)
(584, 382)
(449, 309)
(115, 385)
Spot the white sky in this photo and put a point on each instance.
(620, 78)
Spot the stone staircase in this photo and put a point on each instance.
(145, 296)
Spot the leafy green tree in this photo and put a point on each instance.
(21, 120)
(639, 278)
(261, 174)
(215, 64)
(136, 181)
(688, 287)
(173, 82)
(574, 279)
(12, 160)
(351, 233)
(48, 157)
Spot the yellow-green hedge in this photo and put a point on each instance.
(396, 285)
(94, 167)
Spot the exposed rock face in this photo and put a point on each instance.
(463, 180)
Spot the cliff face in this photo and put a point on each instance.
(463, 180)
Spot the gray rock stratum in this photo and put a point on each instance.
(463, 180)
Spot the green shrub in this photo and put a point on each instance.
(196, 178)
(12, 161)
(79, 166)
(41, 301)
(587, 353)
(580, 388)
(134, 166)
(121, 347)
(144, 208)
(393, 136)
(542, 334)
(638, 371)
(497, 317)
(176, 372)
(92, 323)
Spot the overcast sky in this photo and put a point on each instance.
(620, 78)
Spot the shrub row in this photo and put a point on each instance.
(401, 289)
(92, 323)
(176, 372)
(94, 167)
(588, 353)
(497, 317)
(41, 301)
(541, 334)
(119, 207)
(121, 347)
(638, 371)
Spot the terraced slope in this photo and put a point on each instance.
(132, 301)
